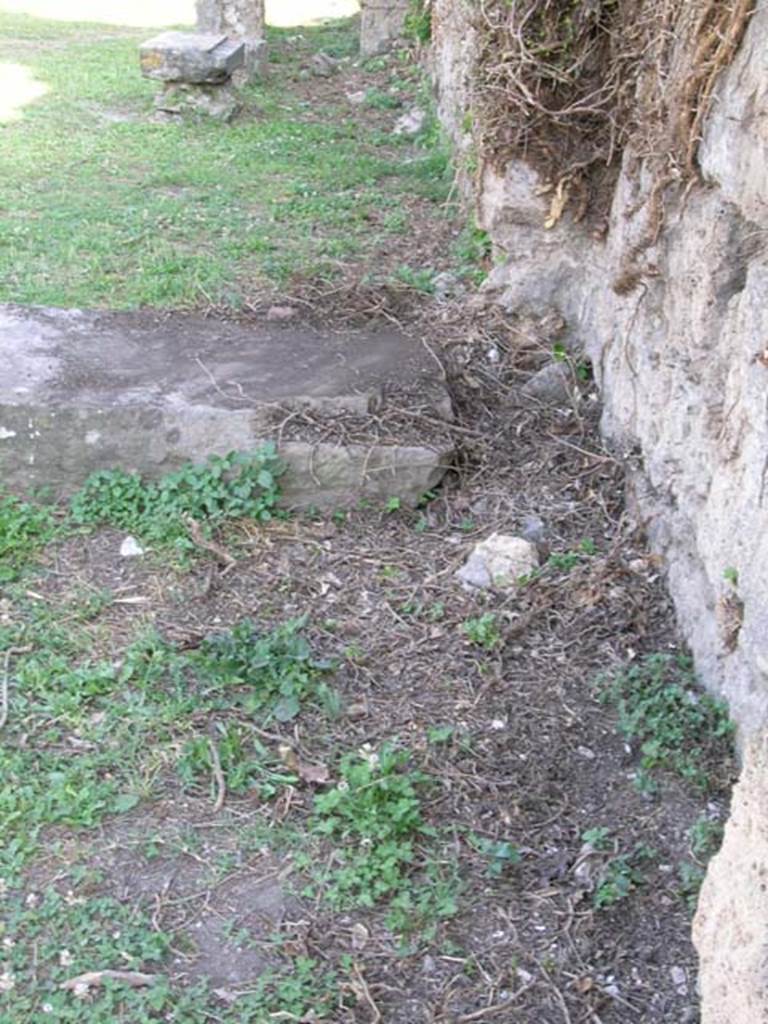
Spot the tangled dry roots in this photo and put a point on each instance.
(568, 83)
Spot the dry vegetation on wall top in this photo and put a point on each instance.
(568, 83)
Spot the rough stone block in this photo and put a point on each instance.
(85, 391)
(242, 20)
(221, 102)
(381, 24)
(190, 57)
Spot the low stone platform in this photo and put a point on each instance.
(195, 70)
(354, 414)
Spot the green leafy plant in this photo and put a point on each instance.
(418, 21)
(24, 529)
(501, 853)
(422, 280)
(238, 485)
(375, 816)
(678, 728)
(599, 838)
(277, 668)
(704, 837)
(482, 631)
(619, 878)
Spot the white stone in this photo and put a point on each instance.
(411, 122)
(499, 561)
(130, 548)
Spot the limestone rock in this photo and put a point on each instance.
(242, 20)
(130, 548)
(730, 930)
(499, 561)
(411, 122)
(84, 391)
(382, 22)
(190, 57)
(220, 102)
(552, 384)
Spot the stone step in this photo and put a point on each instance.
(354, 414)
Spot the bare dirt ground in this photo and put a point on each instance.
(525, 754)
(521, 756)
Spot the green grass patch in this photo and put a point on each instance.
(25, 528)
(375, 817)
(99, 206)
(107, 732)
(677, 727)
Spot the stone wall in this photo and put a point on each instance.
(242, 20)
(681, 357)
(381, 23)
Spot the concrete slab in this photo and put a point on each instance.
(81, 391)
(190, 57)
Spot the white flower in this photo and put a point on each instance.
(343, 786)
(369, 755)
(8, 942)
(7, 981)
(65, 958)
(47, 1008)
(32, 899)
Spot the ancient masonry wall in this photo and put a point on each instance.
(682, 362)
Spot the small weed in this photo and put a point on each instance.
(598, 838)
(731, 575)
(502, 854)
(620, 876)
(691, 877)
(679, 728)
(377, 99)
(472, 252)
(419, 280)
(375, 814)
(393, 505)
(24, 529)
(239, 485)
(438, 734)
(704, 837)
(482, 631)
(418, 21)
(277, 668)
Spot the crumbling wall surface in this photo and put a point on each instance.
(381, 23)
(729, 927)
(680, 349)
(674, 317)
(452, 58)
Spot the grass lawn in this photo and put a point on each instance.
(101, 207)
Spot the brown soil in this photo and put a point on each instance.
(534, 759)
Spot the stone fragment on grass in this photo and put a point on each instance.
(130, 548)
(411, 122)
(190, 57)
(499, 562)
(553, 384)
